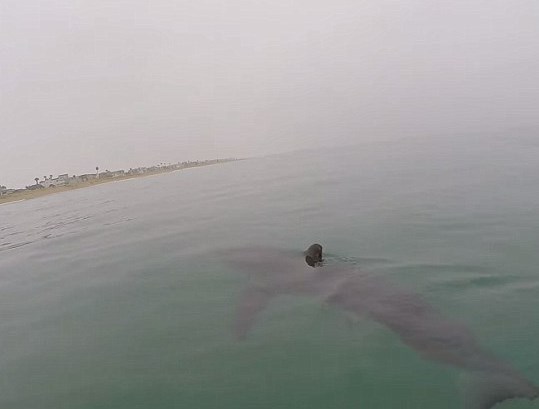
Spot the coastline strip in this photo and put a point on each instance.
(32, 194)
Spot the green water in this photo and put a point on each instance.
(108, 301)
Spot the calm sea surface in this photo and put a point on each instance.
(108, 301)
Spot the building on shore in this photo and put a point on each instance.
(86, 177)
(61, 180)
(118, 173)
(136, 171)
(4, 191)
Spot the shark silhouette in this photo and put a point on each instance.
(273, 272)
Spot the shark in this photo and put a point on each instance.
(273, 272)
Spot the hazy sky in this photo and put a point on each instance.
(130, 82)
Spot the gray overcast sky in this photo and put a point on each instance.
(131, 82)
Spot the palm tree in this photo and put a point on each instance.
(97, 172)
(37, 180)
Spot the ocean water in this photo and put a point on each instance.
(108, 298)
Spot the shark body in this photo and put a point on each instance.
(274, 272)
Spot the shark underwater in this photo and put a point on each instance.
(273, 272)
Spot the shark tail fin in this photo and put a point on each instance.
(485, 390)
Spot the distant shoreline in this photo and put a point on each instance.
(32, 194)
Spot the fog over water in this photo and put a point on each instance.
(128, 83)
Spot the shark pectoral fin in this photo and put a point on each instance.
(252, 301)
(485, 390)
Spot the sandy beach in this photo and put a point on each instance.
(32, 194)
